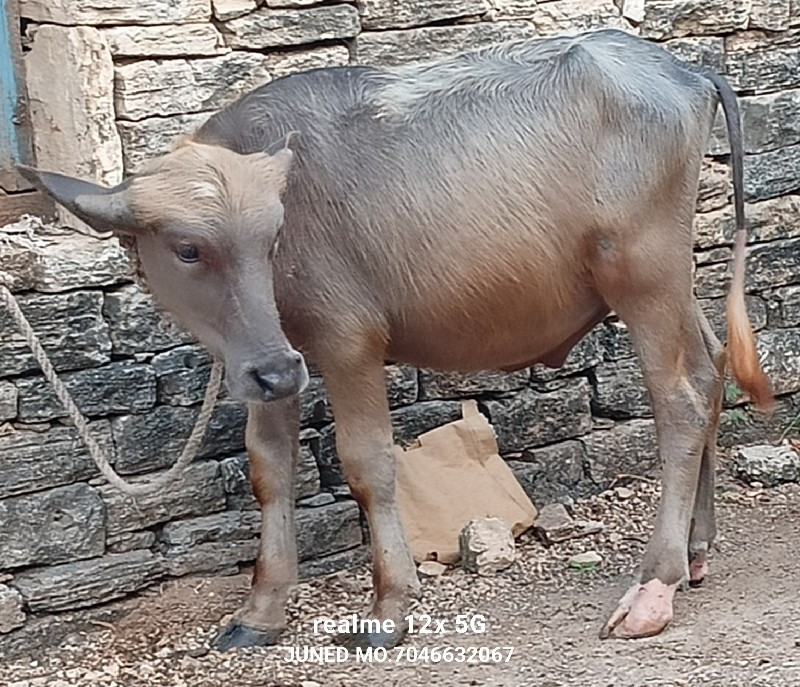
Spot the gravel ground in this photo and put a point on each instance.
(739, 629)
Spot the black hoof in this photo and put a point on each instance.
(237, 636)
(369, 640)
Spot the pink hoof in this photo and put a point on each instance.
(644, 611)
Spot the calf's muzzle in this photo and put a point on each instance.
(281, 376)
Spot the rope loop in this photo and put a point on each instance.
(134, 489)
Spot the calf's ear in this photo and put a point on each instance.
(104, 209)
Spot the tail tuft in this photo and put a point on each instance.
(743, 356)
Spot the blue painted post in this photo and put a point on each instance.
(9, 93)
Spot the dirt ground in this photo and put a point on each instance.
(740, 628)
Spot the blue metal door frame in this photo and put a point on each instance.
(14, 143)
(9, 92)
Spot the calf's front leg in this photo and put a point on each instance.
(365, 448)
(272, 440)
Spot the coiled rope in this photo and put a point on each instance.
(98, 455)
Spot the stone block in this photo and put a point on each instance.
(708, 51)
(513, 9)
(198, 492)
(327, 530)
(12, 613)
(569, 17)
(619, 390)
(626, 448)
(131, 541)
(229, 526)
(182, 375)
(69, 325)
(35, 460)
(532, 418)
(769, 121)
(772, 15)
(272, 28)
(54, 260)
(615, 341)
(116, 11)
(392, 48)
(633, 11)
(146, 139)
(773, 173)
(390, 14)
(320, 532)
(119, 387)
(154, 440)
(53, 526)
(174, 40)
(87, 583)
(766, 464)
(435, 385)
(411, 421)
(486, 546)
(73, 125)
(230, 9)
(778, 352)
(136, 325)
(715, 310)
(317, 501)
(769, 265)
(761, 63)
(284, 63)
(714, 188)
(768, 220)
(8, 401)
(674, 18)
(773, 264)
(550, 473)
(401, 385)
(220, 557)
(150, 88)
(743, 425)
(314, 403)
(336, 562)
(788, 303)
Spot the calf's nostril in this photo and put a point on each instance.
(266, 382)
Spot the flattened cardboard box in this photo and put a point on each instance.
(451, 475)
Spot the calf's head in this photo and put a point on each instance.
(206, 222)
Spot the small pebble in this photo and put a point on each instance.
(623, 493)
(431, 568)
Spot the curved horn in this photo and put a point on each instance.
(100, 207)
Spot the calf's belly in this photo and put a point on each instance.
(494, 343)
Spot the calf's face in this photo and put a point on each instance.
(207, 224)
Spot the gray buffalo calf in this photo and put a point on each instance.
(479, 212)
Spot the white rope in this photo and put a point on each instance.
(132, 489)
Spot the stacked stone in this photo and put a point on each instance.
(114, 83)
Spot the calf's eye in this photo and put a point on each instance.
(188, 252)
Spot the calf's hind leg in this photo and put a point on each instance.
(682, 381)
(365, 448)
(704, 528)
(646, 280)
(272, 440)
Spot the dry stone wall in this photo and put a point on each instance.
(113, 83)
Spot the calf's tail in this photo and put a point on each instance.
(742, 353)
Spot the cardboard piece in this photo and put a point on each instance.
(451, 475)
